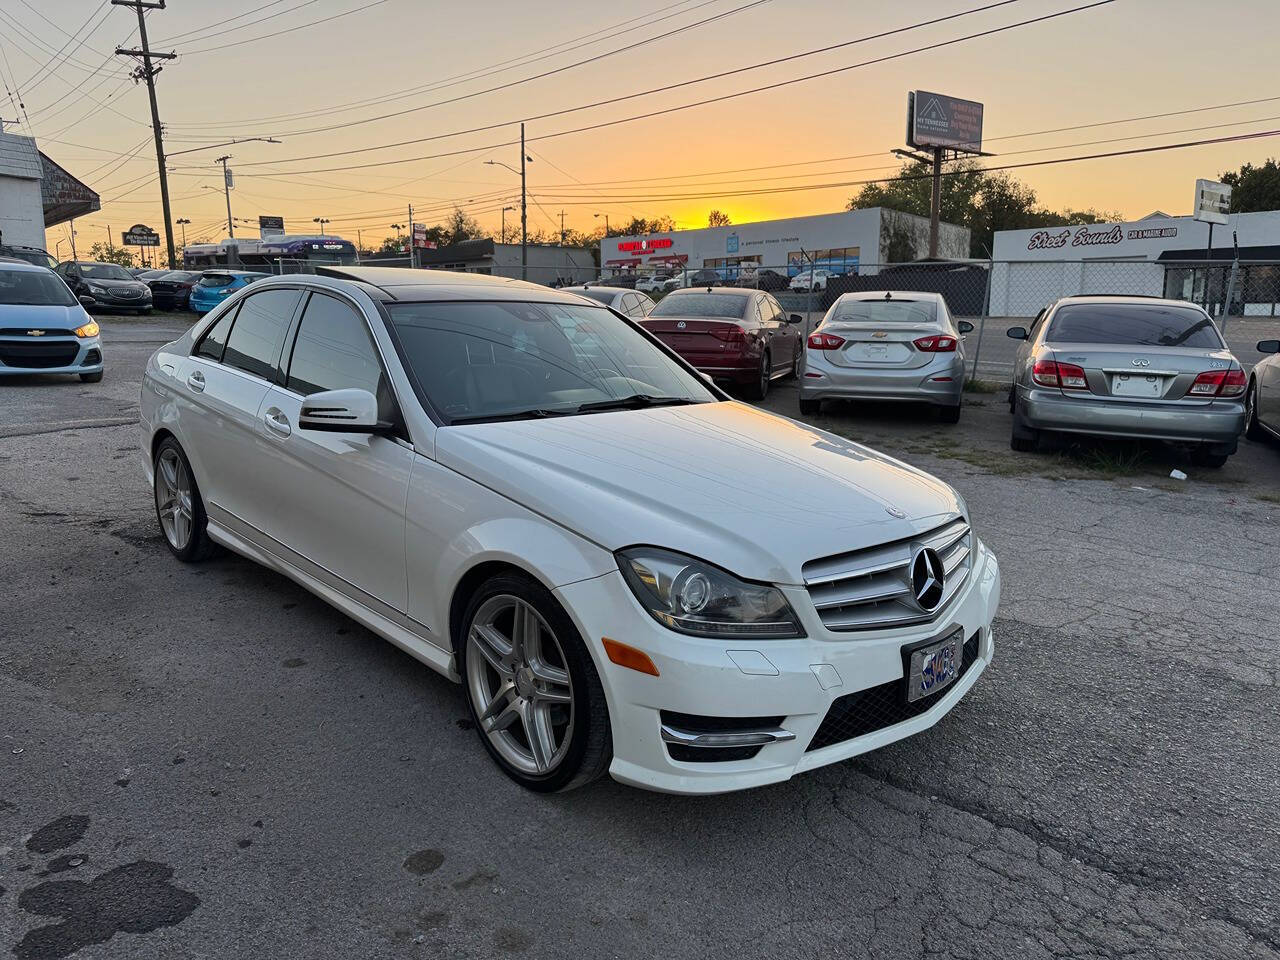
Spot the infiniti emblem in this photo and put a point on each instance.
(926, 579)
(1141, 362)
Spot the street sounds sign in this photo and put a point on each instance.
(1213, 201)
(935, 120)
(140, 235)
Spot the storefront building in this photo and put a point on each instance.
(855, 241)
(1159, 256)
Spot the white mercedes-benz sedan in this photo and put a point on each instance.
(626, 570)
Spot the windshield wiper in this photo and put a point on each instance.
(535, 413)
(634, 402)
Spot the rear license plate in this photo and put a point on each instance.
(876, 352)
(1137, 385)
(935, 667)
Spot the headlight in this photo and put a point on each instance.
(90, 329)
(94, 288)
(694, 597)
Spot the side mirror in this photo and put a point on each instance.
(1016, 333)
(1269, 346)
(342, 411)
(964, 326)
(795, 318)
(87, 301)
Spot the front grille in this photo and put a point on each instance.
(126, 293)
(857, 714)
(38, 356)
(871, 589)
(26, 332)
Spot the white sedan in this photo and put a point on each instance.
(815, 280)
(629, 303)
(626, 570)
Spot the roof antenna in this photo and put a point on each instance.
(888, 294)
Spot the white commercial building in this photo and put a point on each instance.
(1159, 255)
(856, 241)
(36, 193)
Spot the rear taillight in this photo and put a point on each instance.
(825, 341)
(939, 343)
(1068, 376)
(731, 334)
(1218, 383)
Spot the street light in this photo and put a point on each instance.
(213, 146)
(182, 222)
(322, 221)
(524, 206)
(504, 222)
(597, 216)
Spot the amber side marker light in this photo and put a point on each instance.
(625, 656)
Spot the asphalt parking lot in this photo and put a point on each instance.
(209, 762)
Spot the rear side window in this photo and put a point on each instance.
(334, 350)
(214, 341)
(1134, 324)
(216, 279)
(256, 338)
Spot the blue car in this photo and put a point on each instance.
(43, 327)
(214, 286)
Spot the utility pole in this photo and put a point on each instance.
(562, 228)
(226, 188)
(148, 73)
(935, 204)
(504, 223)
(73, 239)
(524, 216)
(413, 254)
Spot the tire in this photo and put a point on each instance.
(91, 377)
(197, 546)
(810, 408)
(760, 388)
(1252, 428)
(1024, 439)
(1210, 460)
(583, 747)
(949, 414)
(795, 366)
(1011, 399)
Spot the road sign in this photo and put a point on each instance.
(936, 120)
(140, 235)
(1213, 201)
(420, 240)
(271, 226)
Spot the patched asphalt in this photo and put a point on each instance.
(209, 762)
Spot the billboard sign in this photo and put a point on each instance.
(420, 241)
(140, 235)
(1213, 201)
(936, 120)
(271, 226)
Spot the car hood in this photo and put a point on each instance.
(22, 318)
(755, 493)
(140, 284)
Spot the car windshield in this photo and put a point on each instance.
(603, 296)
(1135, 324)
(104, 271)
(216, 279)
(33, 288)
(884, 311)
(701, 305)
(477, 360)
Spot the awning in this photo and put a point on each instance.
(62, 195)
(1190, 257)
(629, 262)
(672, 258)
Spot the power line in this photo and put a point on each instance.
(280, 33)
(37, 75)
(698, 103)
(204, 34)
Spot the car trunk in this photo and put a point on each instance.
(1116, 372)
(690, 337)
(878, 345)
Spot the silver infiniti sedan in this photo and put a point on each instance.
(1262, 404)
(1128, 367)
(886, 345)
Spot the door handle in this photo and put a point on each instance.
(277, 422)
(196, 381)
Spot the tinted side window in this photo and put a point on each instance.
(214, 340)
(334, 350)
(254, 344)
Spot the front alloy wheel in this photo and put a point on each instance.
(534, 694)
(1252, 428)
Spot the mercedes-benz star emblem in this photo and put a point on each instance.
(926, 579)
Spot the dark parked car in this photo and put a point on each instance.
(105, 285)
(33, 255)
(735, 336)
(766, 279)
(172, 289)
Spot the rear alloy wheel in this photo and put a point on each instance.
(1252, 428)
(531, 686)
(760, 388)
(949, 414)
(178, 505)
(1024, 439)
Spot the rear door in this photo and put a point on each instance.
(1137, 352)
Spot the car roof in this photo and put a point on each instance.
(1137, 300)
(890, 295)
(396, 284)
(597, 286)
(12, 262)
(687, 291)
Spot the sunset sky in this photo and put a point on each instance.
(1125, 59)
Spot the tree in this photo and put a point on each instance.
(717, 218)
(109, 253)
(1254, 188)
(639, 226)
(461, 227)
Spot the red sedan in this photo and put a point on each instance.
(738, 337)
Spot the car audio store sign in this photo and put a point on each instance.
(140, 235)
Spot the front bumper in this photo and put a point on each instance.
(108, 302)
(823, 380)
(1220, 421)
(28, 355)
(797, 680)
